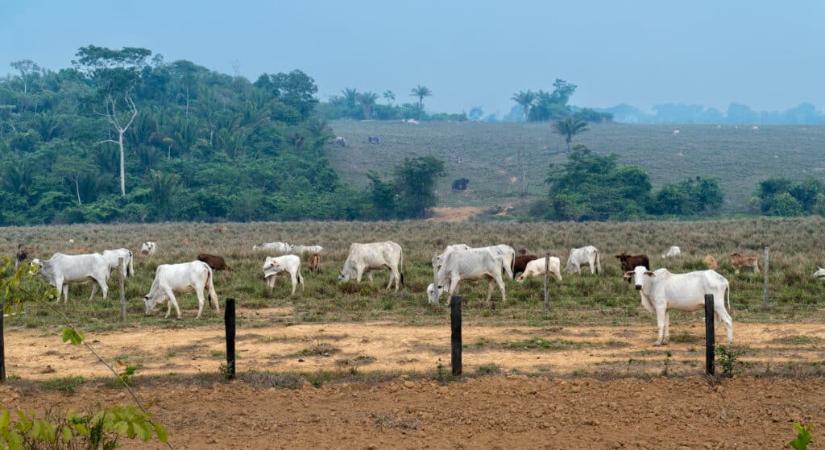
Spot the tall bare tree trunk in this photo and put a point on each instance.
(122, 162)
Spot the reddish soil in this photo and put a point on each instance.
(499, 411)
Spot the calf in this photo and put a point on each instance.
(520, 263)
(585, 255)
(629, 262)
(289, 264)
(738, 261)
(215, 262)
(536, 267)
(315, 263)
(673, 252)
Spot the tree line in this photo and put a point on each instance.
(123, 135)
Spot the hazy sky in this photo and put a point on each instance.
(767, 54)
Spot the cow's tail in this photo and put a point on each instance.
(598, 261)
(727, 294)
(213, 296)
(401, 267)
(130, 268)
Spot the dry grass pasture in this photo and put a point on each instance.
(486, 153)
(366, 367)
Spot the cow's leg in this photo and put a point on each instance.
(94, 290)
(294, 280)
(592, 264)
(661, 317)
(500, 283)
(172, 302)
(489, 289)
(723, 315)
(453, 288)
(755, 267)
(201, 300)
(64, 290)
(667, 327)
(389, 282)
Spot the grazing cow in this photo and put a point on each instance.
(148, 248)
(536, 267)
(183, 277)
(630, 261)
(215, 262)
(472, 264)
(112, 257)
(506, 252)
(738, 261)
(584, 255)
(315, 263)
(290, 264)
(820, 273)
(302, 250)
(277, 248)
(673, 252)
(340, 141)
(23, 253)
(662, 290)
(364, 258)
(61, 269)
(520, 263)
(373, 140)
(710, 262)
(220, 229)
(412, 121)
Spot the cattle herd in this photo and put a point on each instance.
(660, 290)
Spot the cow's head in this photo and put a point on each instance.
(347, 273)
(622, 257)
(820, 273)
(151, 302)
(272, 267)
(433, 294)
(639, 275)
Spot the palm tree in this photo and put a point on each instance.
(420, 92)
(389, 96)
(569, 127)
(367, 102)
(525, 100)
(350, 97)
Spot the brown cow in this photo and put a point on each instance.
(629, 262)
(520, 263)
(23, 253)
(214, 261)
(738, 261)
(710, 262)
(315, 263)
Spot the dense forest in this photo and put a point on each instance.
(125, 136)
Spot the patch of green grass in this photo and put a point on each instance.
(64, 384)
(543, 344)
(487, 369)
(683, 337)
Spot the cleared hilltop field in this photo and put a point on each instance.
(738, 156)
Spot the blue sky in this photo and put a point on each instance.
(767, 54)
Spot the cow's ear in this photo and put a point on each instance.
(650, 274)
(629, 274)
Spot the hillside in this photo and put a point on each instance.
(485, 153)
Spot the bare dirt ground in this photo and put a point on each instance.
(272, 345)
(455, 214)
(513, 411)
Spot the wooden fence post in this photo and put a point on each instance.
(710, 336)
(229, 322)
(546, 283)
(766, 267)
(455, 334)
(121, 265)
(2, 344)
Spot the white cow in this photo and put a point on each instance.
(60, 270)
(180, 278)
(506, 252)
(472, 264)
(673, 252)
(278, 248)
(302, 250)
(290, 264)
(112, 256)
(148, 248)
(584, 255)
(662, 290)
(536, 267)
(364, 258)
(820, 273)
